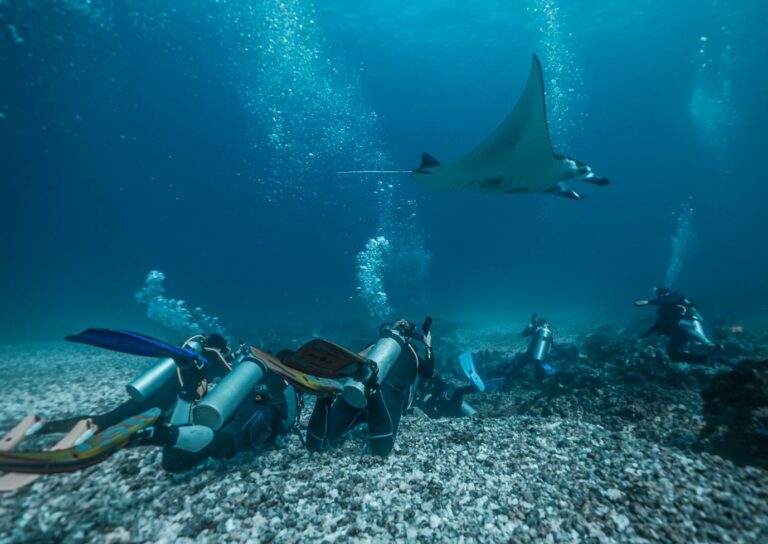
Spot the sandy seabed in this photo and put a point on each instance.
(495, 478)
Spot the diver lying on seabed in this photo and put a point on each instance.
(380, 399)
(437, 397)
(680, 321)
(215, 425)
(172, 405)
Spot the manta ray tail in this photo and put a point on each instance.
(427, 161)
(375, 172)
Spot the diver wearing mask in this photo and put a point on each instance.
(385, 393)
(680, 321)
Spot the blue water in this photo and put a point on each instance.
(200, 138)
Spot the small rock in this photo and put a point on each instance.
(120, 535)
(621, 521)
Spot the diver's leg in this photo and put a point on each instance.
(453, 401)
(676, 350)
(715, 353)
(518, 367)
(163, 399)
(385, 407)
(190, 445)
(317, 429)
(330, 420)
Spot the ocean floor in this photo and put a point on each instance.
(609, 449)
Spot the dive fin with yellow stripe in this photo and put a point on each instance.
(71, 455)
(303, 381)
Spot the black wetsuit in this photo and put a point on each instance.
(679, 320)
(332, 418)
(438, 398)
(256, 423)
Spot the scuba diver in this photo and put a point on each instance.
(680, 321)
(438, 398)
(378, 397)
(542, 336)
(172, 405)
(220, 427)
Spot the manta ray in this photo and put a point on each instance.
(517, 157)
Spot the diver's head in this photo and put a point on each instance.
(662, 292)
(215, 341)
(404, 327)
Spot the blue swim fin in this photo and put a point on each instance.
(494, 384)
(548, 369)
(468, 366)
(135, 344)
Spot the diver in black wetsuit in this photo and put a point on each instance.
(171, 406)
(267, 412)
(680, 321)
(438, 398)
(387, 396)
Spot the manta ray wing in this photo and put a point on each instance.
(517, 157)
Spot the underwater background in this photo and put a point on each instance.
(200, 139)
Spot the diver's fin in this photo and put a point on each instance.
(325, 359)
(134, 344)
(548, 369)
(26, 428)
(72, 455)
(494, 383)
(428, 161)
(301, 380)
(16, 480)
(468, 366)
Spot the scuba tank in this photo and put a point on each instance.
(151, 380)
(220, 403)
(541, 342)
(383, 354)
(155, 377)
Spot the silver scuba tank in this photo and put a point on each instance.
(219, 404)
(541, 343)
(155, 377)
(151, 380)
(384, 354)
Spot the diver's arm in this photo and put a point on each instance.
(427, 366)
(673, 300)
